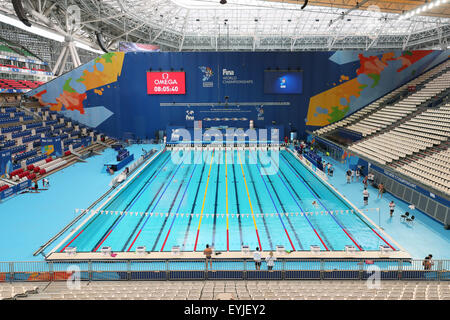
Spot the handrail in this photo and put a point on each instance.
(233, 269)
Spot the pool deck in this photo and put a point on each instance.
(228, 255)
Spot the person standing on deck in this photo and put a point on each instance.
(366, 196)
(257, 259)
(208, 254)
(348, 174)
(270, 260)
(391, 208)
(380, 191)
(365, 181)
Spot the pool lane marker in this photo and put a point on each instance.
(148, 217)
(110, 199)
(109, 231)
(370, 227)
(274, 205)
(301, 209)
(178, 208)
(238, 210)
(215, 201)
(269, 238)
(226, 199)
(317, 198)
(194, 204)
(130, 205)
(204, 200)
(250, 201)
(170, 210)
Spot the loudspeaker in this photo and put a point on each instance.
(100, 41)
(20, 12)
(304, 5)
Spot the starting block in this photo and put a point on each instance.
(350, 249)
(106, 251)
(280, 249)
(245, 249)
(141, 250)
(385, 249)
(176, 250)
(71, 251)
(314, 248)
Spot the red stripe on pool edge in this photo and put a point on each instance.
(62, 250)
(165, 240)
(292, 245)
(96, 248)
(352, 239)
(134, 241)
(259, 242)
(196, 239)
(384, 240)
(321, 240)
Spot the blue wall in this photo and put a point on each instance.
(127, 108)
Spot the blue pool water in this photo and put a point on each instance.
(226, 199)
(29, 220)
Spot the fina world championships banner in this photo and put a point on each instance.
(5, 163)
(142, 92)
(51, 146)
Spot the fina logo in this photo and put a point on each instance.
(207, 73)
(190, 115)
(226, 72)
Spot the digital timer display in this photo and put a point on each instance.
(166, 83)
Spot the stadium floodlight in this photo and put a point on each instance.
(422, 8)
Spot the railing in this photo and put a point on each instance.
(223, 269)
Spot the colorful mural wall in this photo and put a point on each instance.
(110, 93)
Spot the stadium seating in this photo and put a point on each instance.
(21, 132)
(428, 129)
(431, 170)
(19, 84)
(391, 114)
(243, 290)
(388, 114)
(11, 292)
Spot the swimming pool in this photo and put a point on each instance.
(227, 199)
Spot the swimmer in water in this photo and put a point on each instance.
(314, 203)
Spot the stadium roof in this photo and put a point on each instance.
(256, 24)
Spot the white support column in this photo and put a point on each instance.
(60, 58)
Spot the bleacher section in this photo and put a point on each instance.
(386, 114)
(390, 114)
(242, 290)
(410, 136)
(428, 129)
(19, 84)
(21, 130)
(432, 170)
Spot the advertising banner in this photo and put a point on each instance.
(138, 47)
(51, 146)
(5, 163)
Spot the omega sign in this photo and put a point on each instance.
(166, 83)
